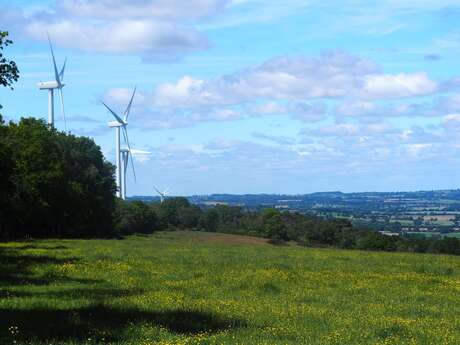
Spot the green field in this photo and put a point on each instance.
(453, 234)
(198, 288)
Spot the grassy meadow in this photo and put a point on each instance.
(200, 288)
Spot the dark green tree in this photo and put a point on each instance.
(169, 210)
(135, 217)
(189, 217)
(6, 167)
(61, 184)
(9, 72)
(273, 225)
(210, 220)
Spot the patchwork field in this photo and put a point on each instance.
(198, 288)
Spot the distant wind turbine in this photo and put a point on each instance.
(57, 84)
(161, 194)
(123, 155)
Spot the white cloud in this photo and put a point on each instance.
(383, 86)
(164, 9)
(451, 123)
(268, 108)
(433, 107)
(299, 87)
(350, 130)
(328, 76)
(157, 30)
(187, 92)
(451, 118)
(141, 155)
(331, 75)
(415, 150)
(356, 108)
(154, 40)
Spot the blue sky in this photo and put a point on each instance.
(252, 96)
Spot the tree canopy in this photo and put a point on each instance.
(9, 72)
(53, 183)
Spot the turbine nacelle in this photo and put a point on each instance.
(114, 124)
(49, 85)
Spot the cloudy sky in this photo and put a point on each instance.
(254, 96)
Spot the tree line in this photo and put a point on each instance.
(280, 227)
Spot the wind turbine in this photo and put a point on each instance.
(122, 154)
(161, 194)
(57, 84)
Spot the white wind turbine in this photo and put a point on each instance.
(161, 194)
(122, 154)
(57, 84)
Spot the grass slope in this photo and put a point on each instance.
(197, 288)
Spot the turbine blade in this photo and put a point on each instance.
(128, 108)
(124, 136)
(113, 113)
(130, 153)
(61, 74)
(56, 74)
(157, 190)
(132, 165)
(62, 108)
(125, 162)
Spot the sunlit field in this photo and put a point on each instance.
(198, 288)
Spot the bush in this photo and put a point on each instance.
(135, 217)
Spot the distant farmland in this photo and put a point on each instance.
(199, 288)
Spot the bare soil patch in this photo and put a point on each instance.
(219, 238)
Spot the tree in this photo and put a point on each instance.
(169, 210)
(447, 245)
(61, 185)
(273, 225)
(6, 167)
(135, 217)
(210, 220)
(9, 72)
(189, 216)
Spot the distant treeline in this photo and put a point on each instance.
(280, 227)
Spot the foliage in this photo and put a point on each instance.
(203, 288)
(9, 72)
(179, 213)
(6, 167)
(135, 217)
(57, 184)
(273, 226)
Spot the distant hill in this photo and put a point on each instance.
(251, 200)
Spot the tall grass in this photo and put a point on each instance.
(191, 288)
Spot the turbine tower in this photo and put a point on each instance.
(122, 154)
(161, 194)
(125, 155)
(57, 84)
